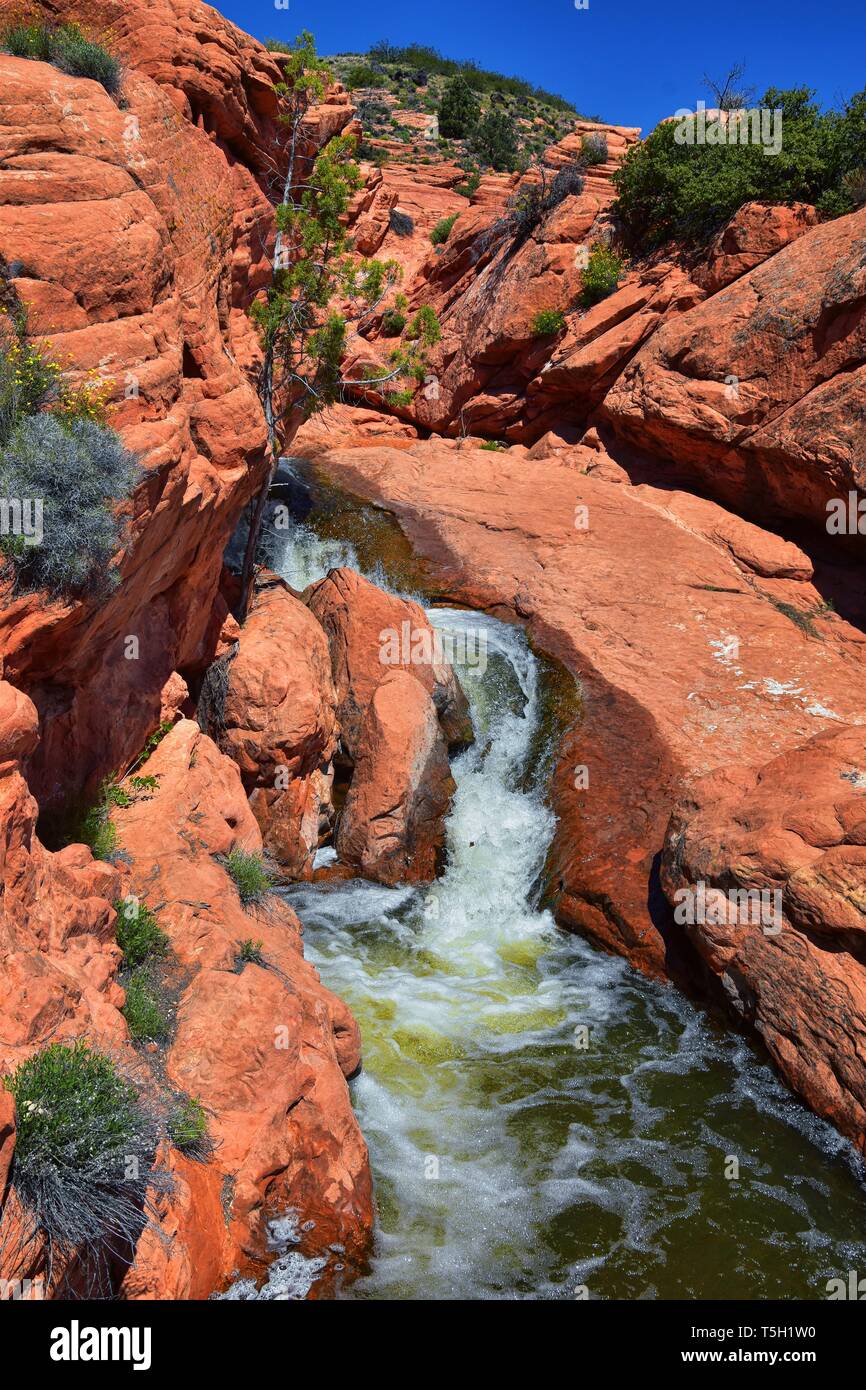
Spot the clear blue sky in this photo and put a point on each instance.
(628, 61)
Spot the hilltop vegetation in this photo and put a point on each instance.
(499, 122)
(669, 189)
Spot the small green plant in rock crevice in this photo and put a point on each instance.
(143, 1013)
(442, 231)
(138, 933)
(249, 953)
(393, 323)
(249, 874)
(547, 323)
(601, 274)
(188, 1128)
(79, 1122)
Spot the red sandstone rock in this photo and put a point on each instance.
(753, 234)
(7, 1139)
(140, 236)
(347, 427)
(58, 957)
(392, 825)
(660, 610)
(370, 634)
(795, 826)
(756, 394)
(266, 1051)
(280, 725)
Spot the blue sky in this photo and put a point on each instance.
(625, 61)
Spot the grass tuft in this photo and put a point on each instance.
(188, 1128)
(143, 1014)
(138, 933)
(249, 874)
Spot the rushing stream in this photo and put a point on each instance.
(541, 1119)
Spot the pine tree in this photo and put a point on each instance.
(458, 109)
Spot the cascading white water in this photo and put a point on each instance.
(541, 1119)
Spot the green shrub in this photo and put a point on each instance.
(67, 48)
(97, 830)
(393, 323)
(188, 1128)
(138, 933)
(442, 231)
(458, 109)
(29, 380)
(79, 1122)
(425, 327)
(78, 472)
(495, 141)
(494, 446)
(669, 189)
(593, 150)
(249, 874)
(471, 186)
(601, 275)
(249, 953)
(363, 75)
(548, 322)
(143, 1014)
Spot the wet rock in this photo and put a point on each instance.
(392, 828)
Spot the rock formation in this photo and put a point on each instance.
(653, 509)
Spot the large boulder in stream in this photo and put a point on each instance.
(400, 709)
(278, 723)
(393, 824)
(372, 633)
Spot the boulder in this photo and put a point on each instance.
(279, 723)
(371, 632)
(392, 825)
